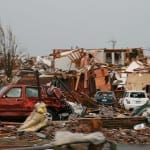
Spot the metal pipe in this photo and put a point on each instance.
(38, 85)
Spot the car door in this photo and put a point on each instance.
(32, 97)
(11, 101)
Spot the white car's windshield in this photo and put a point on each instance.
(137, 95)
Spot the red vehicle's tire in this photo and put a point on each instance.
(52, 115)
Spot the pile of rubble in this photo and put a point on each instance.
(91, 125)
(104, 127)
(128, 136)
(60, 133)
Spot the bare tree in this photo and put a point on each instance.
(8, 50)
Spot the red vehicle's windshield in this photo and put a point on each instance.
(2, 89)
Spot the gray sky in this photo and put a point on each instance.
(42, 25)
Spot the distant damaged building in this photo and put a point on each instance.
(111, 70)
(102, 55)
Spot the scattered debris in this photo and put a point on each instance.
(88, 124)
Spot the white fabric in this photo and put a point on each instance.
(65, 137)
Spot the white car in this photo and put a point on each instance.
(132, 99)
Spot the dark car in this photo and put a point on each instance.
(105, 98)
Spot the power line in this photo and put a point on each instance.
(146, 49)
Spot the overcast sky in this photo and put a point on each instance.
(43, 25)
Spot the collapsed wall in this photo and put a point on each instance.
(137, 80)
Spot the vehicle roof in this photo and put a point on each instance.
(21, 85)
(106, 91)
(135, 91)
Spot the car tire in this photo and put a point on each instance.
(52, 115)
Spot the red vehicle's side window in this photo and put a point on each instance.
(32, 92)
(14, 92)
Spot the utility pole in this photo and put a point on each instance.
(113, 53)
(113, 43)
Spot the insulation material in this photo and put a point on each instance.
(36, 120)
(65, 137)
(120, 79)
(43, 60)
(77, 108)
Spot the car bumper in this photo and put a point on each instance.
(131, 106)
